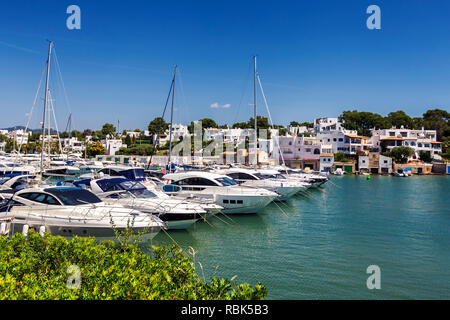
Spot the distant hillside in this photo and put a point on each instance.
(23, 128)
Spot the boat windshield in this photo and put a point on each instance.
(74, 196)
(225, 181)
(137, 189)
(259, 175)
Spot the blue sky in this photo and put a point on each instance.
(315, 58)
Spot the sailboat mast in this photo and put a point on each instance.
(69, 127)
(45, 104)
(254, 105)
(171, 113)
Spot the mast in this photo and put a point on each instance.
(171, 114)
(45, 104)
(69, 127)
(254, 105)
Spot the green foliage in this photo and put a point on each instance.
(401, 154)
(157, 126)
(364, 121)
(95, 148)
(425, 156)
(36, 267)
(301, 124)
(108, 129)
(435, 119)
(206, 123)
(340, 157)
(136, 150)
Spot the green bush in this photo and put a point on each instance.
(36, 268)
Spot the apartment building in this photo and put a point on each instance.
(419, 140)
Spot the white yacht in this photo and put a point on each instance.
(223, 190)
(315, 179)
(12, 167)
(254, 178)
(59, 168)
(132, 173)
(16, 182)
(67, 212)
(178, 214)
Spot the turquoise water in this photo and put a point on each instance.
(319, 246)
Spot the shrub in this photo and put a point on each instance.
(36, 268)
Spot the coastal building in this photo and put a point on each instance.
(327, 125)
(415, 167)
(73, 144)
(112, 145)
(19, 136)
(294, 130)
(178, 130)
(347, 167)
(133, 134)
(326, 162)
(420, 140)
(363, 164)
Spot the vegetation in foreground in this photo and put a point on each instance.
(36, 267)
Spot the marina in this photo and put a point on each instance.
(224, 151)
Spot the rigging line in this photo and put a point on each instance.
(56, 123)
(186, 107)
(270, 117)
(159, 126)
(245, 87)
(61, 79)
(33, 105)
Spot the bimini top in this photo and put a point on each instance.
(119, 184)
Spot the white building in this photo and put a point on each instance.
(133, 134)
(329, 124)
(73, 144)
(419, 140)
(326, 162)
(349, 143)
(299, 130)
(112, 146)
(293, 147)
(19, 136)
(178, 130)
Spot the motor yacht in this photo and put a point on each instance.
(178, 214)
(253, 178)
(68, 212)
(222, 189)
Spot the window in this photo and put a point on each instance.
(241, 176)
(341, 139)
(40, 197)
(232, 201)
(334, 139)
(197, 181)
(239, 201)
(316, 151)
(225, 181)
(419, 145)
(226, 201)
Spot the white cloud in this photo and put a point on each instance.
(216, 105)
